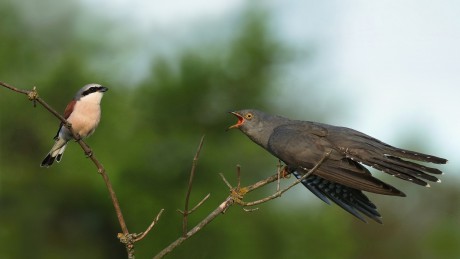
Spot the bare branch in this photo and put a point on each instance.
(186, 212)
(236, 196)
(199, 203)
(279, 171)
(279, 193)
(220, 209)
(33, 96)
(225, 181)
(141, 235)
(26, 92)
(238, 176)
(250, 210)
(196, 206)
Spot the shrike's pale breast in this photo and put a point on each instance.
(85, 117)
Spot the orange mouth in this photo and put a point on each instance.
(240, 120)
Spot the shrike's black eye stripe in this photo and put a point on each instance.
(92, 90)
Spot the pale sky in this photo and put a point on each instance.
(399, 61)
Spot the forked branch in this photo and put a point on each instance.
(240, 192)
(236, 196)
(186, 211)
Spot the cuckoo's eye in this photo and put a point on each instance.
(248, 116)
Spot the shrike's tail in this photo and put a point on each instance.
(55, 153)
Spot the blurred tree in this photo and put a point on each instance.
(146, 141)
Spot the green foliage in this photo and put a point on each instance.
(146, 140)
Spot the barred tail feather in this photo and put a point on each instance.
(351, 200)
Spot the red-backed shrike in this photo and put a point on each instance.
(84, 113)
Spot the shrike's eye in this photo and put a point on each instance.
(248, 116)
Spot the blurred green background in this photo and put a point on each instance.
(159, 105)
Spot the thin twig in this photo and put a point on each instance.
(278, 183)
(250, 210)
(189, 190)
(26, 92)
(225, 181)
(143, 234)
(199, 203)
(220, 209)
(238, 176)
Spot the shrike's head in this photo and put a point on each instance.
(91, 93)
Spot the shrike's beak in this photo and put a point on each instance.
(240, 120)
(103, 89)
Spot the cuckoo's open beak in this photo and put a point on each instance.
(240, 121)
